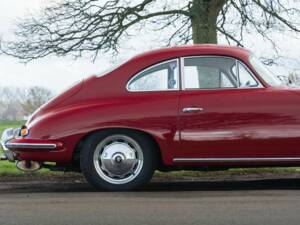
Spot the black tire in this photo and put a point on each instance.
(89, 170)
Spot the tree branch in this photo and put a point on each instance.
(78, 26)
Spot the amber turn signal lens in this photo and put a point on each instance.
(24, 131)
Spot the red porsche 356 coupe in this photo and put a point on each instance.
(192, 107)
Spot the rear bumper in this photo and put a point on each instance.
(13, 145)
(45, 146)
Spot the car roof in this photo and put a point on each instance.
(149, 58)
(196, 49)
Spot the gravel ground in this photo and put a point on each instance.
(76, 182)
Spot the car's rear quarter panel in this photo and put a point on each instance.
(147, 112)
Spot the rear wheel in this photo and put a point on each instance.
(118, 161)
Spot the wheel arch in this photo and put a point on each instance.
(79, 144)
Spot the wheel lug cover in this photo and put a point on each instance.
(118, 159)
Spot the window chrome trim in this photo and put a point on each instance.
(264, 159)
(237, 72)
(251, 74)
(182, 85)
(150, 67)
(218, 56)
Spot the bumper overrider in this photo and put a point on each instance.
(13, 143)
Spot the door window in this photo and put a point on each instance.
(217, 73)
(209, 73)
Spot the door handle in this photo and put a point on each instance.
(192, 109)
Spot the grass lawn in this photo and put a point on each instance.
(7, 124)
(8, 168)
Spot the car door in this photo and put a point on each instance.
(227, 115)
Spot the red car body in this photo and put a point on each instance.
(237, 127)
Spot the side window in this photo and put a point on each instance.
(245, 77)
(161, 77)
(209, 73)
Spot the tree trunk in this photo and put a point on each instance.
(204, 15)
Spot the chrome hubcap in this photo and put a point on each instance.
(118, 159)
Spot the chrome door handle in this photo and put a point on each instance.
(192, 109)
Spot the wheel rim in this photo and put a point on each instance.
(118, 159)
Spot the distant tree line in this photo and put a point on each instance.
(19, 103)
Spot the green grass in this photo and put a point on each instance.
(7, 124)
(229, 173)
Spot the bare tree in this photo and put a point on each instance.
(34, 98)
(17, 103)
(92, 26)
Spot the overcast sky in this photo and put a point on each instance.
(54, 73)
(58, 73)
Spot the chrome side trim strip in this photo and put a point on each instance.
(29, 146)
(264, 159)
